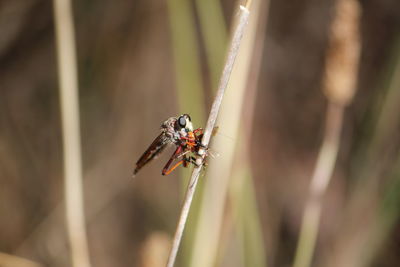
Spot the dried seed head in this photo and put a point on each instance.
(343, 53)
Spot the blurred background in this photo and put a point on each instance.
(140, 62)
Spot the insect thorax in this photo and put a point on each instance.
(168, 127)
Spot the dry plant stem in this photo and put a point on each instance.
(214, 219)
(340, 77)
(365, 233)
(66, 54)
(319, 182)
(234, 47)
(235, 43)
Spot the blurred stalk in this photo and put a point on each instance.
(189, 88)
(7, 260)
(208, 231)
(386, 123)
(188, 65)
(68, 82)
(155, 250)
(367, 221)
(386, 127)
(186, 59)
(242, 192)
(388, 214)
(247, 218)
(339, 85)
(215, 109)
(215, 35)
(381, 217)
(319, 182)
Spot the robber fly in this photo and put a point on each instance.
(177, 131)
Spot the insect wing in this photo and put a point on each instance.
(153, 151)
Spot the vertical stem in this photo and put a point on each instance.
(340, 78)
(208, 248)
(67, 69)
(223, 82)
(183, 217)
(319, 182)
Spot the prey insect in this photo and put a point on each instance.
(177, 131)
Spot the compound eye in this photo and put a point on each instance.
(182, 121)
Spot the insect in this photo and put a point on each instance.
(177, 131)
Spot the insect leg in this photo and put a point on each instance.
(178, 152)
(167, 171)
(198, 130)
(186, 161)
